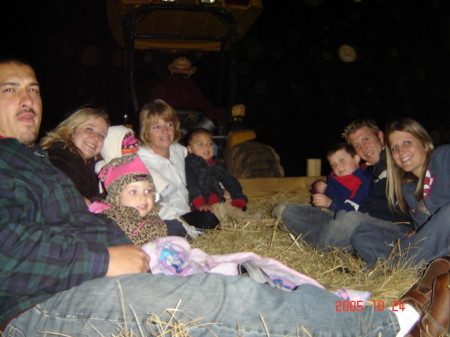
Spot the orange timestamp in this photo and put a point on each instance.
(358, 305)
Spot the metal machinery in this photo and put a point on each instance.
(181, 26)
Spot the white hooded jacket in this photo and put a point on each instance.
(175, 203)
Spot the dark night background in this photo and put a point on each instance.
(298, 94)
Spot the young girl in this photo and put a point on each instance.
(419, 178)
(131, 199)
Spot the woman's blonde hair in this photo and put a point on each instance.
(66, 129)
(396, 177)
(149, 115)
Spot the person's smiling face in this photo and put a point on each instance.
(20, 103)
(408, 152)
(367, 144)
(202, 145)
(90, 137)
(161, 135)
(138, 195)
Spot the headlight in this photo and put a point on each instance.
(168, 0)
(207, 1)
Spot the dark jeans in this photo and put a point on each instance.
(306, 220)
(432, 240)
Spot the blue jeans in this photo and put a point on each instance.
(432, 240)
(306, 220)
(224, 305)
(326, 229)
(337, 232)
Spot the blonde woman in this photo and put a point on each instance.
(74, 147)
(160, 150)
(419, 180)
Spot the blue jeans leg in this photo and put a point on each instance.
(338, 231)
(374, 242)
(305, 220)
(216, 305)
(432, 240)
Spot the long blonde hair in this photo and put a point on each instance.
(149, 115)
(66, 129)
(396, 177)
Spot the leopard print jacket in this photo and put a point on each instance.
(139, 230)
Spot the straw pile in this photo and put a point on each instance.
(332, 269)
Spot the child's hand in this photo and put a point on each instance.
(320, 187)
(205, 208)
(321, 200)
(227, 196)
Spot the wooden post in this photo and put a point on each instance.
(313, 167)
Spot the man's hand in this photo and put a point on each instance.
(320, 187)
(321, 200)
(206, 208)
(127, 259)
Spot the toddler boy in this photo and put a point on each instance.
(209, 181)
(348, 183)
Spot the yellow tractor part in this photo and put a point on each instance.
(237, 137)
(187, 23)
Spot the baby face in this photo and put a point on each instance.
(138, 195)
(202, 145)
(342, 163)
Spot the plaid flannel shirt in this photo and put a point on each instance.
(49, 241)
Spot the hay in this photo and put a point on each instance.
(333, 269)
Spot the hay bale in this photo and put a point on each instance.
(254, 160)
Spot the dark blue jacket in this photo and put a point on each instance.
(348, 191)
(202, 179)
